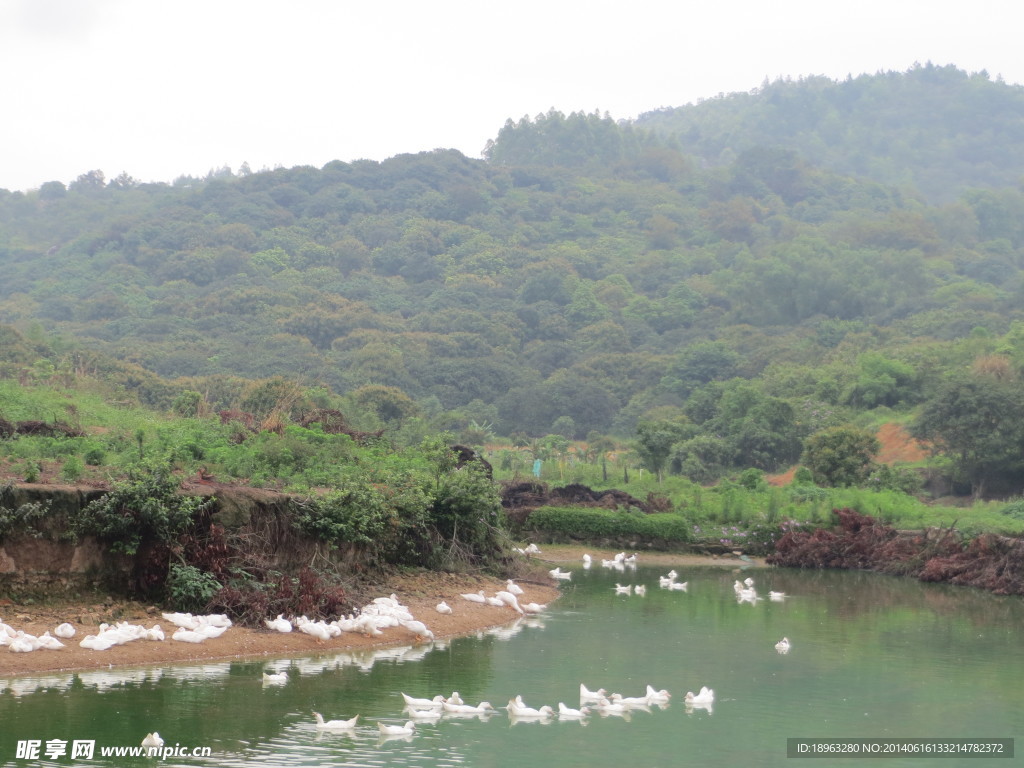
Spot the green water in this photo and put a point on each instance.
(871, 656)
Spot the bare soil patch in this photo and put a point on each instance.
(897, 447)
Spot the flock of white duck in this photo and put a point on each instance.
(386, 612)
(419, 711)
(432, 710)
(190, 629)
(372, 620)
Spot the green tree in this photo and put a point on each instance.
(977, 420)
(840, 456)
(654, 441)
(388, 403)
(882, 381)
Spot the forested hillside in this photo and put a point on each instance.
(750, 270)
(935, 130)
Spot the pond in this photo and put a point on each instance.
(871, 656)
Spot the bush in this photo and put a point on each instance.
(26, 518)
(146, 507)
(94, 457)
(189, 589)
(72, 469)
(1014, 509)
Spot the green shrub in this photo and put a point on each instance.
(356, 512)
(31, 470)
(590, 524)
(72, 469)
(94, 457)
(145, 507)
(25, 518)
(189, 589)
(1014, 509)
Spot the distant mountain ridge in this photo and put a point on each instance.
(714, 263)
(939, 130)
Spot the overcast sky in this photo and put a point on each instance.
(159, 89)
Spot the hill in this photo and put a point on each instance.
(936, 130)
(741, 267)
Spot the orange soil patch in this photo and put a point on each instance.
(898, 447)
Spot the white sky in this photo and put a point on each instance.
(160, 89)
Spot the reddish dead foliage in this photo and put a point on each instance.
(859, 542)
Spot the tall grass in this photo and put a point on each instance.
(732, 504)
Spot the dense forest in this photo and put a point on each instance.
(722, 281)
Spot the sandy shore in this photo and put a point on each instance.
(420, 591)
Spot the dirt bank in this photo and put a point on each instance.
(420, 591)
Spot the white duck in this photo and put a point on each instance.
(210, 630)
(186, 620)
(334, 725)
(152, 740)
(434, 703)
(509, 599)
(514, 588)
(275, 678)
(608, 707)
(49, 643)
(558, 573)
(280, 624)
(630, 701)
(444, 608)
(419, 629)
(783, 645)
(517, 709)
(679, 585)
(706, 696)
(533, 607)
(183, 635)
(397, 730)
(477, 597)
(317, 630)
(21, 645)
(568, 713)
(64, 630)
(640, 589)
(623, 590)
(588, 695)
(657, 697)
(777, 597)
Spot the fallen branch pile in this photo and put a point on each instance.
(859, 542)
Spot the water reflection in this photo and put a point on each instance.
(869, 655)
